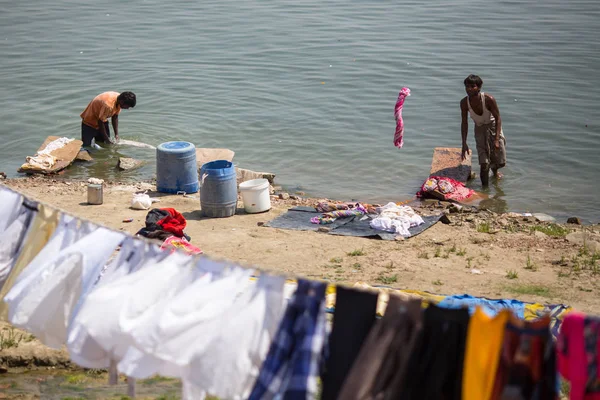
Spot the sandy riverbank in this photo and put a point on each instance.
(516, 258)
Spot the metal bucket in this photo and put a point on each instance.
(95, 194)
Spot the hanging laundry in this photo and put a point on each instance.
(38, 234)
(191, 323)
(100, 316)
(45, 307)
(380, 369)
(354, 317)
(291, 369)
(491, 307)
(65, 234)
(578, 351)
(11, 202)
(133, 255)
(399, 134)
(449, 188)
(527, 366)
(396, 219)
(11, 239)
(238, 349)
(439, 353)
(162, 223)
(484, 344)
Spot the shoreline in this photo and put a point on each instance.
(303, 196)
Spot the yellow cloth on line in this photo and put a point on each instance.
(484, 341)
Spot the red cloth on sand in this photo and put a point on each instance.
(450, 188)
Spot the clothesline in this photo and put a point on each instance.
(154, 312)
(557, 311)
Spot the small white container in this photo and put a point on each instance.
(255, 194)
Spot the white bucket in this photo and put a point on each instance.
(255, 194)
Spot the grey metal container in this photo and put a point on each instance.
(95, 195)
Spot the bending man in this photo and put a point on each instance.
(94, 124)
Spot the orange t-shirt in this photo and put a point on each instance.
(101, 108)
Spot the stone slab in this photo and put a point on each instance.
(447, 162)
(64, 157)
(204, 155)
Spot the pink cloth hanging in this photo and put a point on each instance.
(399, 136)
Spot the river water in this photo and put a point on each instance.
(306, 89)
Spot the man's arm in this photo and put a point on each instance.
(115, 124)
(464, 127)
(493, 107)
(102, 130)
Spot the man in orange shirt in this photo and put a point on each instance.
(94, 123)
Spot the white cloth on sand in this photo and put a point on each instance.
(396, 219)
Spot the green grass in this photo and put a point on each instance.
(156, 379)
(551, 230)
(10, 338)
(75, 379)
(512, 274)
(484, 227)
(356, 266)
(172, 397)
(461, 252)
(452, 249)
(536, 290)
(336, 260)
(424, 255)
(437, 282)
(438, 252)
(387, 279)
(562, 274)
(529, 265)
(357, 252)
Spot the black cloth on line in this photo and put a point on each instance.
(354, 316)
(435, 368)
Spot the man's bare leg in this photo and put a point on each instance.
(485, 175)
(497, 174)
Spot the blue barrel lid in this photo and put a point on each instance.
(217, 164)
(176, 147)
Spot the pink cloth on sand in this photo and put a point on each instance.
(399, 135)
(450, 188)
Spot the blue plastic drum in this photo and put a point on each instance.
(218, 189)
(176, 169)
